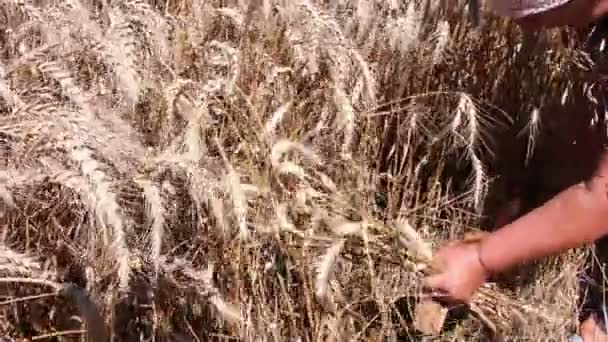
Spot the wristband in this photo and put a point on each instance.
(481, 262)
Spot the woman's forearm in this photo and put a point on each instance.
(573, 218)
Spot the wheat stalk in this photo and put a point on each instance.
(325, 266)
(107, 209)
(156, 215)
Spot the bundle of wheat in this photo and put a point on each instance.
(497, 309)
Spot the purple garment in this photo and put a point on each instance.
(518, 9)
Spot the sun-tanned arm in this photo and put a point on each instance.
(573, 218)
(579, 214)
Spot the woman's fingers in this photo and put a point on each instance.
(591, 331)
(434, 282)
(440, 290)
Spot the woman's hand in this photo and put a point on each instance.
(592, 330)
(462, 272)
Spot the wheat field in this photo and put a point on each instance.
(263, 170)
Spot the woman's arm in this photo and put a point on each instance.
(576, 216)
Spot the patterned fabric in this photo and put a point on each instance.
(518, 9)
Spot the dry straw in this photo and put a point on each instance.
(242, 169)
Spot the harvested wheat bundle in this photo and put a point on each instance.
(498, 310)
(337, 239)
